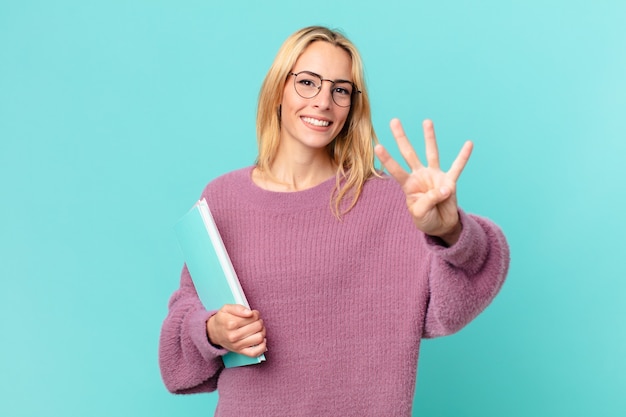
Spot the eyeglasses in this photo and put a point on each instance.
(309, 84)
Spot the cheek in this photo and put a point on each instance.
(290, 97)
(289, 103)
(345, 120)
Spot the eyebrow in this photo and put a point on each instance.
(315, 73)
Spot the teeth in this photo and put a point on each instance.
(316, 122)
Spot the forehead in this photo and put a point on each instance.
(325, 59)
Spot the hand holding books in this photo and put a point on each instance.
(238, 329)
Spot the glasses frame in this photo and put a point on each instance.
(355, 89)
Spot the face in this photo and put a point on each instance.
(311, 124)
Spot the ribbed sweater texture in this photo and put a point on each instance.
(345, 302)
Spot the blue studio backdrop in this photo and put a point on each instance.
(115, 114)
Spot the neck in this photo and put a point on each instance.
(295, 174)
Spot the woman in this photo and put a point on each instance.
(343, 279)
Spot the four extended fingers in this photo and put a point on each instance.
(411, 158)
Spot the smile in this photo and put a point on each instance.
(316, 122)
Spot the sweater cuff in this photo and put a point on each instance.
(198, 334)
(469, 250)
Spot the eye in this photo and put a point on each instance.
(343, 89)
(307, 80)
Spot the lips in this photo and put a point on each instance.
(316, 122)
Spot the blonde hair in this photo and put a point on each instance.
(352, 150)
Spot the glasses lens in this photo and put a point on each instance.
(307, 85)
(342, 93)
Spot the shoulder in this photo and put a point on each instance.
(382, 197)
(237, 176)
(382, 187)
(229, 184)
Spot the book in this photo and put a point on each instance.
(210, 267)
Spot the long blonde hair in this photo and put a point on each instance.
(352, 150)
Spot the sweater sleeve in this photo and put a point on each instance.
(188, 361)
(465, 277)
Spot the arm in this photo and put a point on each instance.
(469, 255)
(194, 339)
(465, 277)
(189, 362)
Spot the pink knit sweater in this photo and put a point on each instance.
(345, 303)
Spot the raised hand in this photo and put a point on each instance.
(430, 192)
(238, 329)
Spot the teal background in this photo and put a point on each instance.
(115, 114)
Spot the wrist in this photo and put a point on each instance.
(208, 334)
(451, 237)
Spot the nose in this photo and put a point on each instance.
(324, 98)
